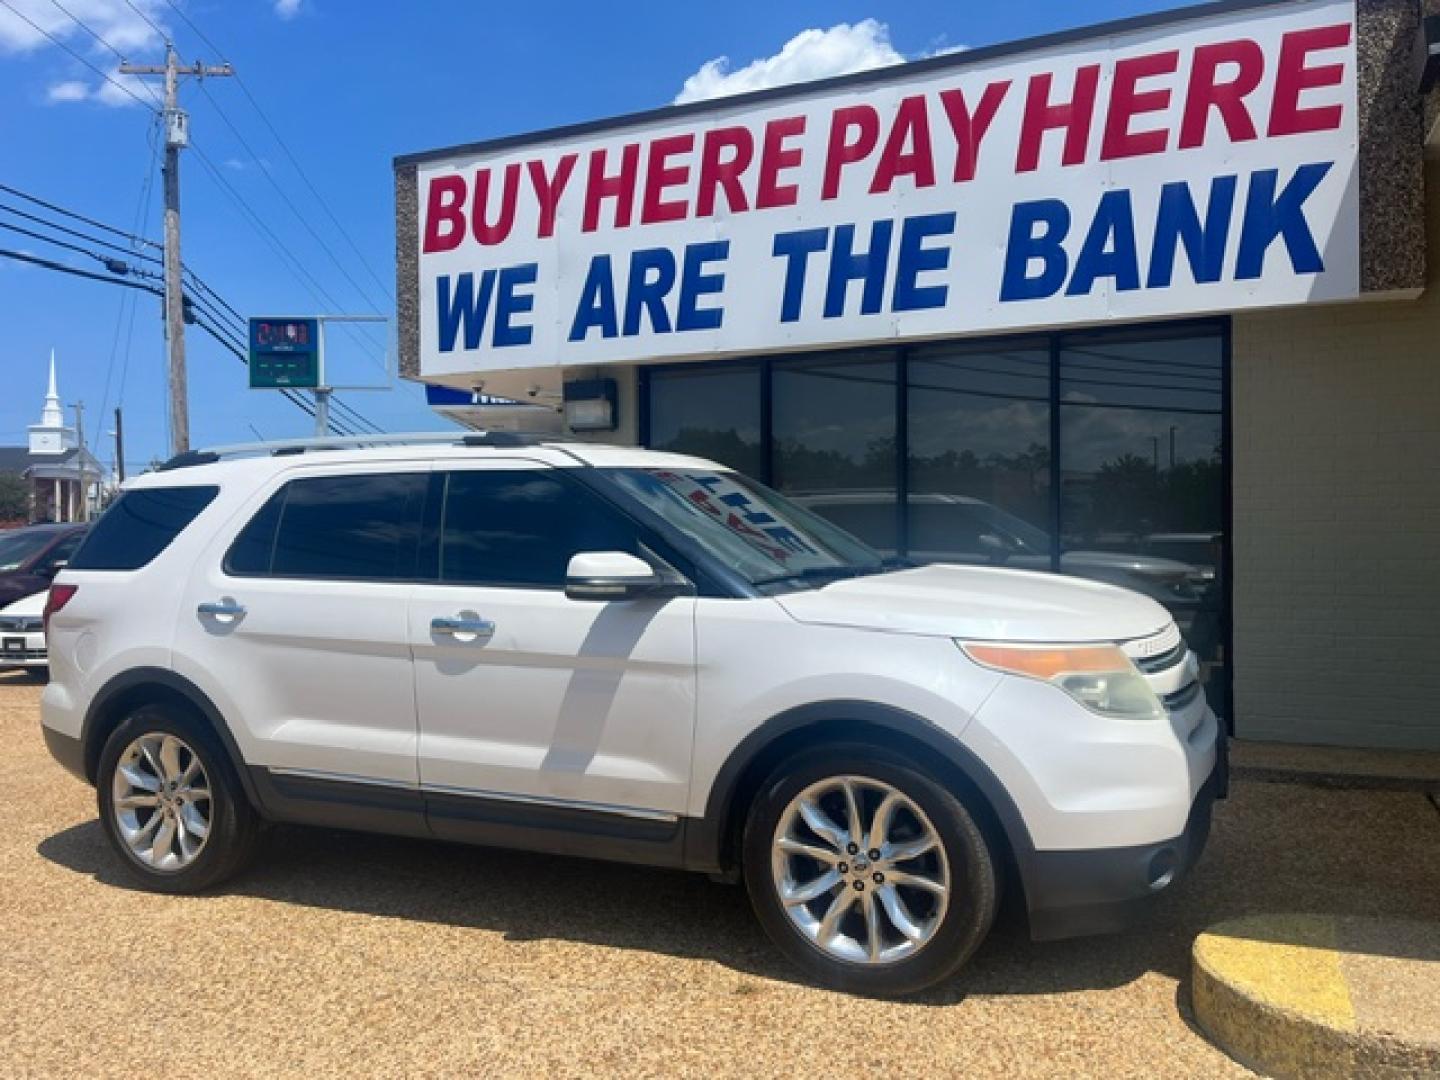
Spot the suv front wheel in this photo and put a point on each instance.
(868, 874)
(171, 803)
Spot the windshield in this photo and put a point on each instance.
(756, 532)
(19, 547)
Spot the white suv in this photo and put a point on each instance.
(607, 652)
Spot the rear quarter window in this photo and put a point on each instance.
(139, 526)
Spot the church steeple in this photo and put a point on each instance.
(51, 436)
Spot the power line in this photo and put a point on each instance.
(139, 240)
(22, 256)
(385, 290)
(77, 233)
(60, 44)
(265, 168)
(148, 21)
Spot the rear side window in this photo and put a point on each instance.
(349, 528)
(139, 526)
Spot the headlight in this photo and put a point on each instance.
(1099, 677)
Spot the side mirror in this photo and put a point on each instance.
(617, 575)
(996, 549)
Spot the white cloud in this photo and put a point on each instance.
(287, 9)
(70, 90)
(114, 20)
(810, 54)
(120, 24)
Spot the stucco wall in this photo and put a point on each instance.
(1337, 519)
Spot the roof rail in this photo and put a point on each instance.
(285, 447)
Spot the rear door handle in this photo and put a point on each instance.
(462, 625)
(225, 608)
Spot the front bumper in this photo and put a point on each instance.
(1101, 891)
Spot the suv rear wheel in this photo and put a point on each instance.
(171, 803)
(866, 872)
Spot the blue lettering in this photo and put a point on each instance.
(597, 302)
(464, 307)
(915, 259)
(646, 291)
(509, 303)
(1178, 222)
(695, 283)
(796, 247)
(1268, 216)
(847, 266)
(1109, 247)
(1024, 246)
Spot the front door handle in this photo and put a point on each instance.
(225, 609)
(462, 624)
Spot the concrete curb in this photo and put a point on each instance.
(1319, 996)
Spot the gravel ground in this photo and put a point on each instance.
(349, 955)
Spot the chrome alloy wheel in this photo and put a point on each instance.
(860, 870)
(161, 799)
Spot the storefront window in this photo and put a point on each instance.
(979, 454)
(1142, 484)
(834, 437)
(711, 412)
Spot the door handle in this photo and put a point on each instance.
(225, 608)
(462, 625)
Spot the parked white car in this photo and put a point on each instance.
(613, 653)
(22, 637)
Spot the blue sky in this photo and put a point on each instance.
(348, 85)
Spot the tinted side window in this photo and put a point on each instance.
(521, 528)
(353, 528)
(139, 526)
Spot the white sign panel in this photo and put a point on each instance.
(1201, 166)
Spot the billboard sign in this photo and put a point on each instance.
(1200, 165)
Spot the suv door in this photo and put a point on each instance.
(567, 713)
(294, 622)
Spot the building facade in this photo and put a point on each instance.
(1148, 303)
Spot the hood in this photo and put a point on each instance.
(981, 603)
(34, 604)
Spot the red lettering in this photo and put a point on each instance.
(486, 233)
(444, 214)
(1292, 77)
(969, 128)
(620, 187)
(912, 130)
(659, 175)
(864, 121)
(1073, 116)
(775, 158)
(1207, 92)
(1128, 102)
(717, 173)
(549, 189)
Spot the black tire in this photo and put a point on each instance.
(234, 825)
(972, 868)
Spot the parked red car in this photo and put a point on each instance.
(31, 556)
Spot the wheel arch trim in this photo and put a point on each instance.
(707, 837)
(173, 683)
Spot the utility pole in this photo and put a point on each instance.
(177, 137)
(119, 446)
(79, 408)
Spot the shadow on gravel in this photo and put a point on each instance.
(1274, 848)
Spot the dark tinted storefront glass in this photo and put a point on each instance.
(979, 454)
(709, 412)
(1143, 487)
(833, 423)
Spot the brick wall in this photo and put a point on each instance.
(1337, 519)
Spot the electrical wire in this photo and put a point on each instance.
(22, 256)
(61, 45)
(77, 233)
(137, 240)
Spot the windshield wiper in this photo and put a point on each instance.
(823, 574)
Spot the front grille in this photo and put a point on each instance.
(1168, 659)
(23, 654)
(1182, 697)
